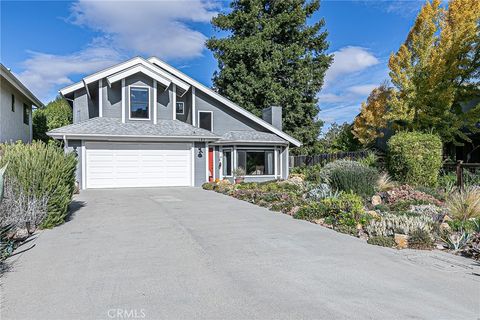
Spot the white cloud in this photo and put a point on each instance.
(363, 90)
(329, 98)
(44, 73)
(339, 114)
(157, 28)
(349, 60)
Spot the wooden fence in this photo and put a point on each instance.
(459, 168)
(299, 161)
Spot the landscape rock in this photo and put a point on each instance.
(445, 227)
(376, 200)
(373, 213)
(401, 240)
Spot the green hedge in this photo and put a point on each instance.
(415, 158)
(43, 169)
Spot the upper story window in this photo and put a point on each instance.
(26, 114)
(139, 103)
(205, 120)
(180, 107)
(13, 103)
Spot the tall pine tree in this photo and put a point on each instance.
(272, 56)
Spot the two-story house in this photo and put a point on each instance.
(16, 108)
(143, 123)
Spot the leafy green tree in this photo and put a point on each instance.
(272, 56)
(339, 138)
(56, 114)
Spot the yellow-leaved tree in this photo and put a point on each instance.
(436, 70)
(368, 125)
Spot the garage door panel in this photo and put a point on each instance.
(116, 165)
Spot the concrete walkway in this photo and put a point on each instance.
(184, 253)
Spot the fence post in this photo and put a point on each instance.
(460, 174)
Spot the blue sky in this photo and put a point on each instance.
(50, 44)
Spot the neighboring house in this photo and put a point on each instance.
(15, 109)
(143, 123)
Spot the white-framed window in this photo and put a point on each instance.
(139, 103)
(180, 108)
(205, 120)
(26, 114)
(227, 162)
(256, 162)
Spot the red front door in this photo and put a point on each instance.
(210, 164)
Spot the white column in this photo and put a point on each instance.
(275, 159)
(123, 100)
(154, 101)
(287, 156)
(84, 166)
(100, 98)
(281, 162)
(193, 164)
(174, 100)
(194, 112)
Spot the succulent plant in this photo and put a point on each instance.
(404, 224)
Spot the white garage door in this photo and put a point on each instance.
(124, 165)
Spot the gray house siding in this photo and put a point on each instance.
(187, 100)
(200, 164)
(164, 103)
(76, 146)
(12, 127)
(224, 118)
(112, 100)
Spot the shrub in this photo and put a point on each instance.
(408, 193)
(370, 160)
(382, 241)
(346, 210)
(350, 176)
(311, 173)
(322, 191)
(208, 186)
(464, 205)
(390, 224)
(420, 239)
(43, 170)
(384, 183)
(18, 206)
(415, 158)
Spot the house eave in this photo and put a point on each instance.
(108, 137)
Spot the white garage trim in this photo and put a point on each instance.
(129, 165)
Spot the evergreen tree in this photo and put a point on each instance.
(272, 56)
(56, 114)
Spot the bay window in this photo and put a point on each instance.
(227, 162)
(256, 162)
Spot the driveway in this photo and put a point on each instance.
(185, 253)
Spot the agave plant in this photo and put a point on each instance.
(457, 241)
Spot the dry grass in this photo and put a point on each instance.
(464, 205)
(385, 183)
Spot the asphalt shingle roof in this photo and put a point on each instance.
(250, 136)
(115, 127)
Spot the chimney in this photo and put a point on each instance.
(273, 115)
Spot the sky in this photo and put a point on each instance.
(51, 44)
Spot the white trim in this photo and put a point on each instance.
(174, 101)
(223, 100)
(155, 107)
(206, 163)
(84, 166)
(229, 149)
(120, 67)
(183, 108)
(214, 165)
(192, 173)
(123, 101)
(275, 159)
(211, 118)
(135, 69)
(107, 137)
(100, 98)
(10, 77)
(287, 156)
(281, 162)
(130, 103)
(193, 107)
(234, 160)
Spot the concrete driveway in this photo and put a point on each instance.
(185, 253)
